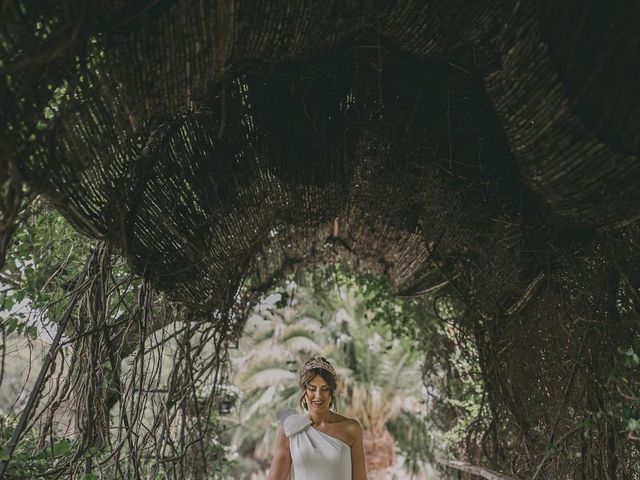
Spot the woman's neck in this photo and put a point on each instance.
(319, 419)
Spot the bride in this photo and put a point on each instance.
(320, 444)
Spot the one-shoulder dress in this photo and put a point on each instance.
(315, 455)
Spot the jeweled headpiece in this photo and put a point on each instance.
(319, 362)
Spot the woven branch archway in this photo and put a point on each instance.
(450, 146)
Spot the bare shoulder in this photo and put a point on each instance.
(350, 422)
(351, 428)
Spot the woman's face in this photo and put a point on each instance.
(318, 395)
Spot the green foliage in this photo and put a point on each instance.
(219, 452)
(624, 379)
(402, 317)
(46, 256)
(44, 261)
(370, 337)
(30, 459)
(14, 324)
(433, 326)
(414, 440)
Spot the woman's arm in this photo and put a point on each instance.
(281, 463)
(358, 471)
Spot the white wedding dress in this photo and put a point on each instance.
(314, 454)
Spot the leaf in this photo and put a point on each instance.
(11, 324)
(283, 302)
(90, 452)
(61, 448)
(31, 331)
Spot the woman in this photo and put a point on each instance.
(319, 445)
